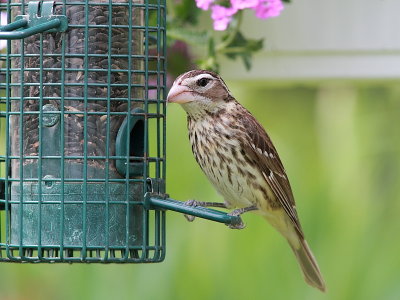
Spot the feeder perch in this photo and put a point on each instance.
(82, 157)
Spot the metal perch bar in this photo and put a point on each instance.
(197, 211)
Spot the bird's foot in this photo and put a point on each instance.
(236, 213)
(241, 225)
(193, 203)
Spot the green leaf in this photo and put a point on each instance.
(242, 48)
(241, 45)
(247, 61)
(185, 11)
(248, 45)
(192, 37)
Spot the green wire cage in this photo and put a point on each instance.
(83, 132)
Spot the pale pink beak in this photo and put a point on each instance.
(179, 94)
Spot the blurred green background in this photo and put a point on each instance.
(340, 145)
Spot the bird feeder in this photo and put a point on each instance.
(83, 111)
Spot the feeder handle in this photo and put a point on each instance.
(155, 201)
(6, 32)
(40, 19)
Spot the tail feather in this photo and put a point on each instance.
(308, 264)
(306, 259)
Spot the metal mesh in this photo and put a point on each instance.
(83, 129)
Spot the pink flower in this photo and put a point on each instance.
(242, 4)
(268, 8)
(204, 4)
(222, 16)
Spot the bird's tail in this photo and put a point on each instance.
(306, 259)
(308, 263)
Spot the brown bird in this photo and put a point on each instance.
(239, 159)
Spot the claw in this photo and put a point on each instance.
(193, 203)
(241, 225)
(235, 213)
(190, 218)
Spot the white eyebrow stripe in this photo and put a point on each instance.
(205, 75)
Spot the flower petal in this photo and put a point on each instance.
(204, 4)
(242, 4)
(268, 9)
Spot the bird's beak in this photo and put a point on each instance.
(179, 94)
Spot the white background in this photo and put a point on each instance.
(317, 39)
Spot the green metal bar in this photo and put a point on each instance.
(14, 35)
(128, 116)
(14, 25)
(21, 148)
(157, 233)
(197, 211)
(163, 235)
(85, 139)
(164, 113)
(7, 191)
(107, 174)
(145, 222)
(41, 170)
(62, 144)
(158, 91)
(158, 229)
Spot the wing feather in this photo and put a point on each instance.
(259, 148)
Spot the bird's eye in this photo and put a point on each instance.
(203, 82)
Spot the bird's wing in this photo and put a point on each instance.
(261, 151)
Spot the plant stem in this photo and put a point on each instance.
(221, 47)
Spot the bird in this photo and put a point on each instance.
(238, 157)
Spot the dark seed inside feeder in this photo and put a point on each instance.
(97, 74)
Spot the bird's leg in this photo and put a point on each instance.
(202, 204)
(238, 212)
(205, 204)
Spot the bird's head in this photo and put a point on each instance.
(200, 92)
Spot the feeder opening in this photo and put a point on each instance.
(137, 140)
